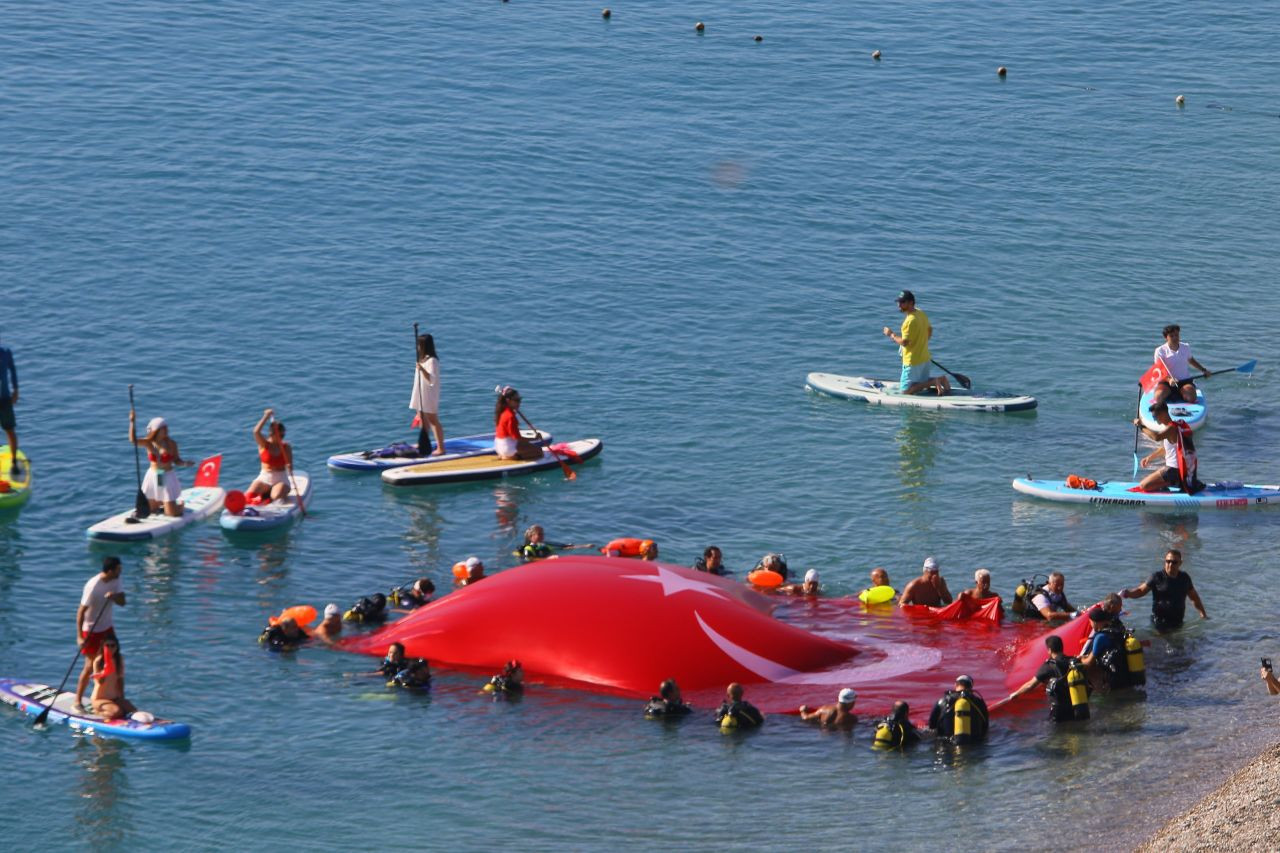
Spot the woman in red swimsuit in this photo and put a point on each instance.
(507, 440)
(276, 454)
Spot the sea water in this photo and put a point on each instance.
(655, 235)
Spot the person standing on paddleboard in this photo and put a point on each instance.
(1178, 360)
(161, 484)
(276, 454)
(94, 622)
(913, 344)
(425, 399)
(8, 399)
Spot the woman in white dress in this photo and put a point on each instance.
(426, 397)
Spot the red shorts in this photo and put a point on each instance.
(93, 641)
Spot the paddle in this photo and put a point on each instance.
(141, 506)
(1137, 435)
(293, 485)
(564, 466)
(1247, 367)
(959, 377)
(44, 715)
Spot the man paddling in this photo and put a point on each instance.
(1174, 442)
(1178, 360)
(94, 623)
(913, 344)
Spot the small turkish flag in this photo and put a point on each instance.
(417, 421)
(207, 472)
(1155, 374)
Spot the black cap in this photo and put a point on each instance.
(906, 296)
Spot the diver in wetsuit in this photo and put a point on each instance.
(667, 705)
(960, 715)
(736, 712)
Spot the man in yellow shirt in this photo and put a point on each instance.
(913, 343)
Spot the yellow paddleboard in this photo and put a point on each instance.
(13, 492)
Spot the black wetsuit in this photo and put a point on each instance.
(659, 708)
(1169, 599)
(743, 712)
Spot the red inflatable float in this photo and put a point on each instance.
(622, 626)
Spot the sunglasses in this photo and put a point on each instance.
(1175, 562)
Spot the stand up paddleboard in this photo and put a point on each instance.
(199, 502)
(14, 492)
(32, 698)
(490, 467)
(1195, 414)
(405, 453)
(885, 392)
(272, 515)
(1214, 496)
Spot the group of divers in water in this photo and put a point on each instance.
(1112, 659)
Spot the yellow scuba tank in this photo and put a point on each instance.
(1078, 689)
(1135, 659)
(728, 721)
(1020, 598)
(884, 737)
(962, 718)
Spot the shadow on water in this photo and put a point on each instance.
(1179, 531)
(100, 821)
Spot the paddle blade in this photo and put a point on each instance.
(1136, 465)
(964, 380)
(1247, 367)
(141, 506)
(235, 501)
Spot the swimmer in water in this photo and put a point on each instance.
(510, 682)
(810, 587)
(284, 636)
(981, 587)
(536, 546)
(667, 705)
(929, 589)
(331, 626)
(837, 716)
(711, 561)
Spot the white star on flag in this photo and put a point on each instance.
(673, 583)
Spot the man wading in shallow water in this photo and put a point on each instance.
(1169, 590)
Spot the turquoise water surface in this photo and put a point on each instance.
(655, 235)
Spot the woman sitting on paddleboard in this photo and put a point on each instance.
(425, 399)
(107, 698)
(161, 484)
(277, 460)
(507, 440)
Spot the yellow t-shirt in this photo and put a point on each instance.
(916, 331)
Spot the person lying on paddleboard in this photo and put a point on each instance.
(508, 443)
(981, 587)
(837, 716)
(276, 454)
(161, 484)
(913, 344)
(1175, 443)
(107, 698)
(930, 588)
(425, 399)
(1178, 360)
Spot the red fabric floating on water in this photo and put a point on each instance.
(962, 609)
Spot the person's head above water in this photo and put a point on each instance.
(712, 556)
(847, 697)
(332, 611)
(395, 651)
(648, 550)
(964, 682)
(1054, 644)
(669, 690)
(879, 577)
(982, 579)
(533, 534)
(734, 692)
(901, 710)
(932, 566)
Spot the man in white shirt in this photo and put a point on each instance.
(1178, 359)
(94, 623)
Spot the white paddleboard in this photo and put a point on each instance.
(274, 514)
(198, 503)
(884, 392)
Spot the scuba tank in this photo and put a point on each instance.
(1020, 594)
(728, 720)
(1078, 690)
(887, 736)
(1137, 663)
(962, 719)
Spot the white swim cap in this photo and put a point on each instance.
(473, 563)
(847, 696)
(331, 610)
(811, 576)
(155, 424)
(931, 563)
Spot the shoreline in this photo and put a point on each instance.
(1240, 814)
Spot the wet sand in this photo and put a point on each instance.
(1242, 814)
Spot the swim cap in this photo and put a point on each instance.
(331, 610)
(473, 563)
(811, 576)
(155, 424)
(965, 680)
(847, 696)
(931, 564)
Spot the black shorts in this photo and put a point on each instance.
(1171, 476)
(6, 414)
